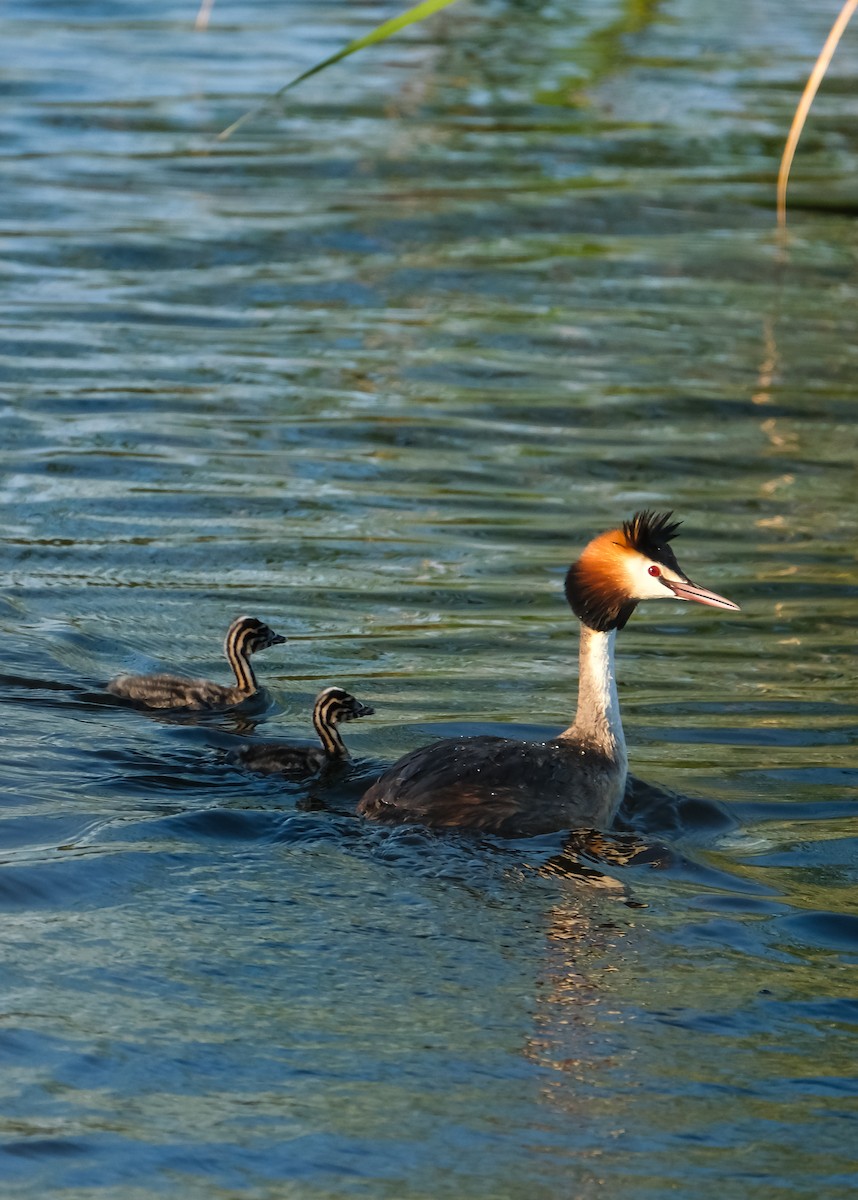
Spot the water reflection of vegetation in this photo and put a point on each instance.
(599, 54)
(602, 52)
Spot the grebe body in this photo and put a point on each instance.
(245, 636)
(333, 706)
(576, 780)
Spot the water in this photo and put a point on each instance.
(374, 370)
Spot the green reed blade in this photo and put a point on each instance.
(385, 30)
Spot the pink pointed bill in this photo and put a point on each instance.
(686, 590)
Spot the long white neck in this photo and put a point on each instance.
(597, 721)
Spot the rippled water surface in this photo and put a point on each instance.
(374, 370)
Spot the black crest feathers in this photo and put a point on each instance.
(649, 532)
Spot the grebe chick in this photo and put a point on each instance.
(575, 780)
(245, 636)
(332, 706)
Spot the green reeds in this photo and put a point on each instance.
(381, 32)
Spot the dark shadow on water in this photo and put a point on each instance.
(191, 761)
(28, 683)
(649, 809)
(93, 696)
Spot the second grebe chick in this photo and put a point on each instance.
(577, 779)
(245, 636)
(332, 706)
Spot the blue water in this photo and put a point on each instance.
(374, 370)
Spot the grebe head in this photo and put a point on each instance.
(623, 566)
(247, 635)
(335, 704)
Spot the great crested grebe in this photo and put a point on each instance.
(332, 706)
(245, 636)
(577, 779)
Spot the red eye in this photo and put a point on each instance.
(654, 571)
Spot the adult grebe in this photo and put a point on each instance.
(576, 780)
(245, 636)
(332, 706)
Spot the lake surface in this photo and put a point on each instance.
(375, 370)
